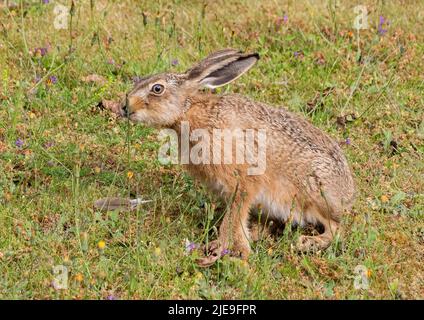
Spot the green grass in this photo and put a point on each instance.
(47, 192)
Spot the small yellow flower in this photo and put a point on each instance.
(198, 276)
(157, 251)
(1, 255)
(369, 273)
(130, 174)
(270, 251)
(384, 198)
(79, 277)
(101, 244)
(97, 170)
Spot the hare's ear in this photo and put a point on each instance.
(221, 68)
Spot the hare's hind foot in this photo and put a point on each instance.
(308, 244)
(319, 242)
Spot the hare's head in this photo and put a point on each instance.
(161, 99)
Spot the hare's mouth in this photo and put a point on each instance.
(125, 113)
(133, 117)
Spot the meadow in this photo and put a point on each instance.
(63, 62)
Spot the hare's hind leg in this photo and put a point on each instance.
(321, 241)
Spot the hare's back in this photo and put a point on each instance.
(281, 125)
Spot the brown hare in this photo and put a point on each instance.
(307, 179)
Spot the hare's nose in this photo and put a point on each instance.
(125, 110)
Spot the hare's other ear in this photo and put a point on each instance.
(221, 68)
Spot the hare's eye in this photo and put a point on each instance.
(158, 88)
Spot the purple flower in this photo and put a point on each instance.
(39, 52)
(175, 62)
(225, 252)
(46, 1)
(111, 61)
(381, 23)
(48, 145)
(298, 54)
(281, 20)
(347, 141)
(19, 143)
(190, 246)
(52, 80)
(111, 297)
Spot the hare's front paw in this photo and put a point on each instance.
(213, 251)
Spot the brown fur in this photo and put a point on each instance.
(307, 178)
